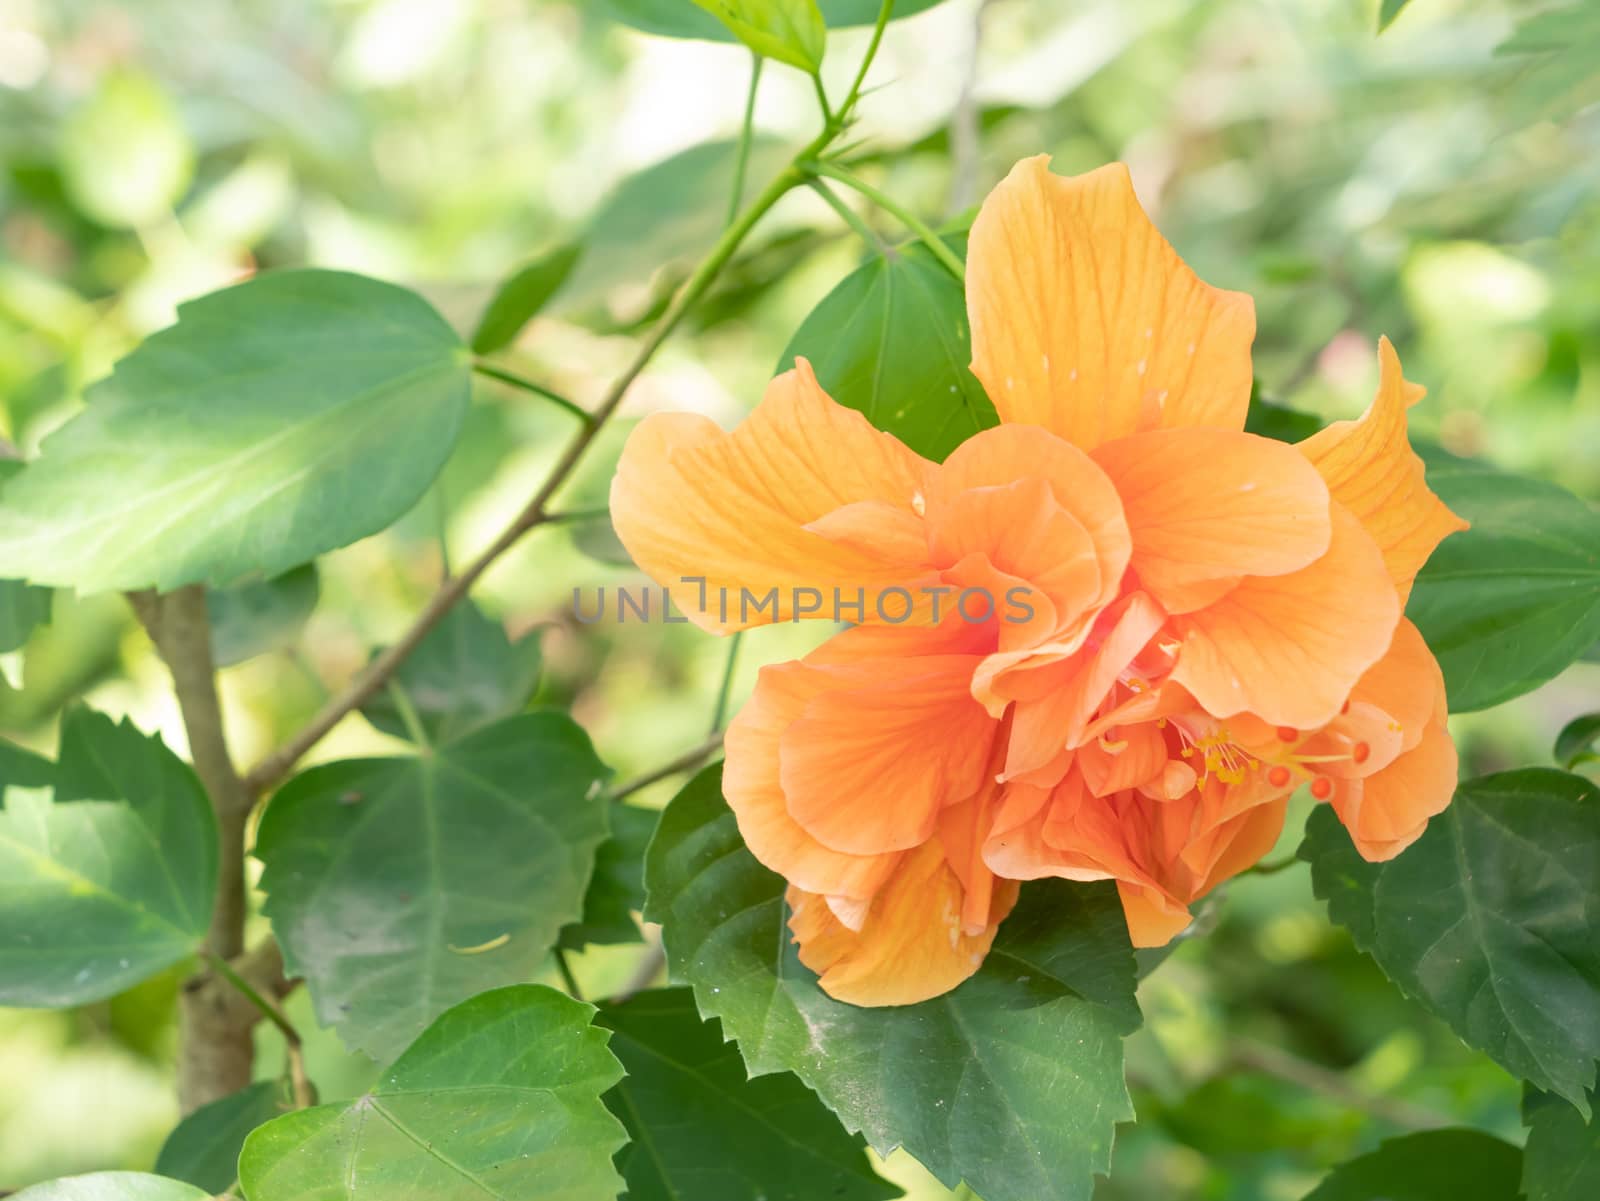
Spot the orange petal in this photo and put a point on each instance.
(1372, 471)
(1154, 918)
(690, 501)
(996, 458)
(1086, 321)
(910, 946)
(1213, 505)
(1289, 648)
(751, 783)
(881, 747)
(1406, 684)
(1387, 811)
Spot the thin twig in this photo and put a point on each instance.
(533, 386)
(567, 977)
(1274, 1061)
(299, 1082)
(851, 218)
(747, 132)
(687, 761)
(719, 711)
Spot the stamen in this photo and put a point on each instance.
(1278, 777)
(1111, 747)
(1322, 788)
(1361, 753)
(1287, 733)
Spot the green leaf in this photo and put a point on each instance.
(125, 157)
(23, 769)
(616, 890)
(111, 881)
(790, 31)
(1575, 743)
(1489, 919)
(251, 619)
(1509, 603)
(1012, 1082)
(464, 675)
(1388, 10)
(1561, 1160)
(1435, 1165)
(520, 297)
(112, 1186)
(1556, 48)
(22, 607)
(892, 341)
(1268, 419)
(280, 418)
(204, 1149)
(499, 1098)
(664, 218)
(676, 19)
(401, 886)
(701, 1128)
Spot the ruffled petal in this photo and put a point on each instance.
(911, 945)
(692, 502)
(1210, 506)
(1372, 471)
(1084, 319)
(1290, 648)
(1387, 811)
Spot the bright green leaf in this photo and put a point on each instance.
(1561, 1160)
(464, 675)
(399, 887)
(204, 1149)
(251, 619)
(701, 1128)
(892, 341)
(664, 218)
(1509, 603)
(790, 31)
(1575, 743)
(616, 892)
(1488, 920)
(499, 1098)
(22, 607)
(1435, 1165)
(278, 419)
(519, 299)
(112, 1186)
(1013, 1081)
(677, 19)
(112, 880)
(125, 156)
(1555, 49)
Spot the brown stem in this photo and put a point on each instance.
(216, 1049)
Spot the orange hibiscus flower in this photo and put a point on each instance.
(1104, 640)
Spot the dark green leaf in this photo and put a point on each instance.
(1489, 919)
(665, 217)
(616, 891)
(1561, 1161)
(465, 674)
(23, 769)
(111, 881)
(1575, 743)
(1279, 422)
(112, 1186)
(401, 886)
(1435, 1165)
(277, 419)
(204, 1149)
(251, 619)
(892, 341)
(22, 606)
(701, 1128)
(680, 19)
(1013, 1081)
(1388, 10)
(499, 1098)
(519, 299)
(1509, 603)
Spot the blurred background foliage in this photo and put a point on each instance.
(1437, 183)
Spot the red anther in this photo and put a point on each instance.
(1322, 788)
(1361, 753)
(1287, 733)
(1278, 777)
